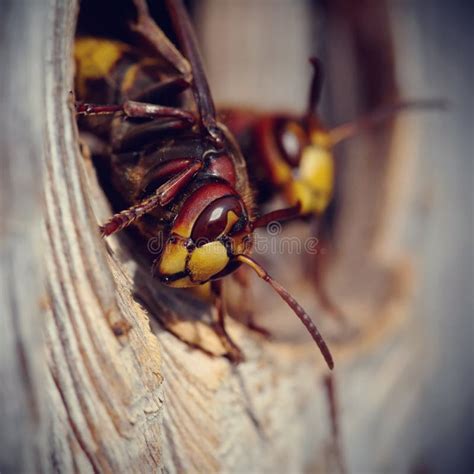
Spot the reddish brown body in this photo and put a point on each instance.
(292, 155)
(289, 154)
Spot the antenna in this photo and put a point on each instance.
(316, 86)
(294, 305)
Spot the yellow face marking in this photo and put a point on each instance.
(185, 229)
(184, 282)
(94, 58)
(315, 184)
(232, 218)
(173, 259)
(240, 242)
(281, 172)
(317, 168)
(129, 77)
(207, 261)
(297, 192)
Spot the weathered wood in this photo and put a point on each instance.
(367, 270)
(105, 391)
(21, 292)
(109, 416)
(106, 408)
(114, 391)
(104, 382)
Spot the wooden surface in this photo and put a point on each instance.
(105, 390)
(108, 389)
(121, 398)
(406, 397)
(21, 263)
(369, 274)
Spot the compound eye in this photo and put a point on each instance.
(291, 140)
(217, 219)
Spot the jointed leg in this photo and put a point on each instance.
(162, 196)
(202, 94)
(316, 271)
(126, 217)
(233, 352)
(135, 109)
(253, 326)
(166, 88)
(316, 86)
(325, 301)
(241, 276)
(149, 30)
(331, 396)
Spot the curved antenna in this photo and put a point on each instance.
(202, 94)
(294, 305)
(373, 119)
(316, 86)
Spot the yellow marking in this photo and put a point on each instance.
(184, 282)
(321, 138)
(129, 77)
(232, 218)
(297, 192)
(207, 261)
(95, 58)
(314, 187)
(173, 259)
(281, 172)
(184, 228)
(317, 168)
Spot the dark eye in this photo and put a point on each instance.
(291, 140)
(219, 216)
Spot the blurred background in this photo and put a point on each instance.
(413, 411)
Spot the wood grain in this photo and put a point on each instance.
(104, 389)
(21, 291)
(135, 402)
